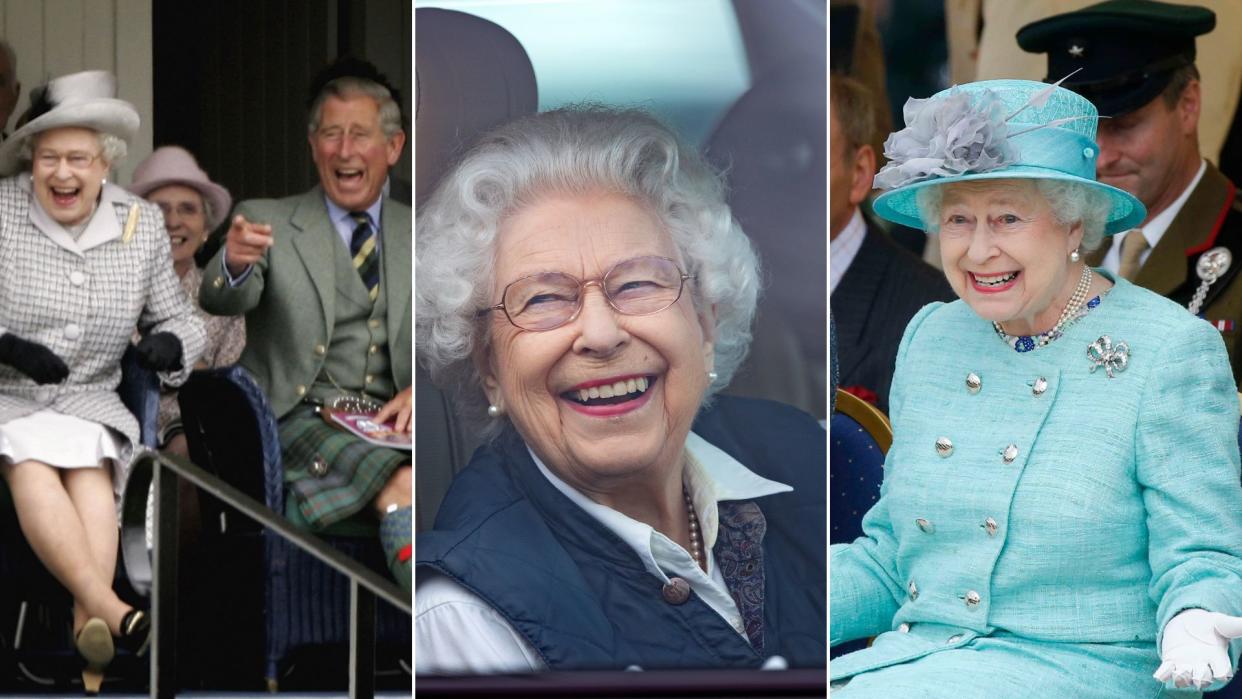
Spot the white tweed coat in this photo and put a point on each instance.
(83, 299)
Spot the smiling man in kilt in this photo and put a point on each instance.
(324, 280)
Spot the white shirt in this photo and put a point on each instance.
(457, 632)
(1154, 230)
(845, 246)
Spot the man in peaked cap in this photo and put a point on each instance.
(1135, 60)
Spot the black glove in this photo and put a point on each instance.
(32, 359)
(159, 352)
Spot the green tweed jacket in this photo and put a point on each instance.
(289, 296)
(1062, 519)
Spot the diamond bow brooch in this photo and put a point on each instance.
(1103, 353)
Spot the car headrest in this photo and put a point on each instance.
(470, 75)
(771, 145)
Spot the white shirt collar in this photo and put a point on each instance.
(102, 227)
(712, 476)
(845, 247)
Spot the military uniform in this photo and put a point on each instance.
(1210, 221)
(1121, 55)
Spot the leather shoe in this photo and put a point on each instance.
(94, 644)
(135, 632)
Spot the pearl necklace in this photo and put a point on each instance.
(1026, 343)
(696, 541)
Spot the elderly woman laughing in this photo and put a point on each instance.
(85, 264)
(1061, 513)
(580, 276)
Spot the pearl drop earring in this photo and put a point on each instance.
(1074, 256)
(493, 411)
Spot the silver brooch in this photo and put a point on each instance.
(1102, 353)
(1211, 265)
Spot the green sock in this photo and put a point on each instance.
(396, 536)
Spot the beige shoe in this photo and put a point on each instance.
(94, 643)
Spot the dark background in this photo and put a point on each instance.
(231, 77)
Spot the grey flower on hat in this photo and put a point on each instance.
(954, 134)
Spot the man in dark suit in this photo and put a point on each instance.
(324, 280)
(1134, 59)
(876, 285)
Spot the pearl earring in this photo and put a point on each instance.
(712, 376)
(494, 411)
(1074, 256)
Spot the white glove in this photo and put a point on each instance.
(1195, 649)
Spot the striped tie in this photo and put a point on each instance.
(366, 257)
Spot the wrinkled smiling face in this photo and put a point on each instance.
(351, 153)
(605, 398)
(184, 217)
(1004, 252)
(66, 191)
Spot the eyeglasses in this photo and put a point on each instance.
(639, 286)
(78, 160)
(183, 209)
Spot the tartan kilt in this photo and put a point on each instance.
(357, 470)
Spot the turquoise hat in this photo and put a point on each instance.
(991, 130)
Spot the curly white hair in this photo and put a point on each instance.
(571, 150)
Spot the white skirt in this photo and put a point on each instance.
(62, 441)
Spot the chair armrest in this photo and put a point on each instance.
(140, 392)
(231, 431)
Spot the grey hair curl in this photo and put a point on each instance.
(1071, 202)
(580, 149)
(349, 86)
(112, 149)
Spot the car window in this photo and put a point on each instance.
(683, 60)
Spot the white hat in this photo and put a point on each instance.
(86, 99)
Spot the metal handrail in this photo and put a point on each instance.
(151, 467)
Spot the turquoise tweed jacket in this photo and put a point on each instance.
(1071, 508)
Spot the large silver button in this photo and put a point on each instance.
(300, 390)
(218, 282)
(318, 467)
(972, 599)
(903, 627)
(990, 525)
(953, 639)
(72, 331)
(1040, 385)
(973, 382)
(913, 589)
(944, 447)
(925, 525)
(1010, 454)
(77, 278)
